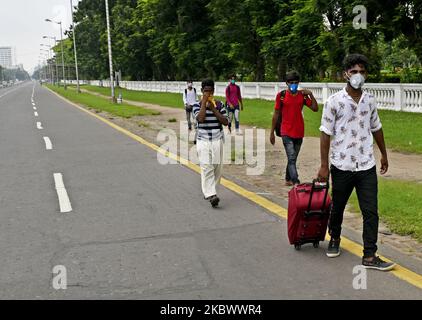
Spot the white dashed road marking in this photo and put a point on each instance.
(48, 144)
(64, 201)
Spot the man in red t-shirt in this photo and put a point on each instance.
(290, 103)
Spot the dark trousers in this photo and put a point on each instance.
(292, 148)
(234, 113)
(189, 117)
(366, 184)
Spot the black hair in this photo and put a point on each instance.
(292, 76)
(353, 59)
(207, 83)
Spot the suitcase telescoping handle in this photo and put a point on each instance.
(315, 186)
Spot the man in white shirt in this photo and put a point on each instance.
(350, 120)
(189, 99)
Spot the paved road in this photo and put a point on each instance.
(137, 229)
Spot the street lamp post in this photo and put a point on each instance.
(40, 74)
(57, 68)
(43, 65)
(61, 42)
(50, 70)
(46, 68)
(110, 57)
(74, 49)
(48, 63)
(42, 68)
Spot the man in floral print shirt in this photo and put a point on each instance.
(349, 123)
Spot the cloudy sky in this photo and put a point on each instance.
(22, 26)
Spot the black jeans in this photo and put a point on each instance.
(234, 113)
(189, 117)
(292, 147)
(366, 184)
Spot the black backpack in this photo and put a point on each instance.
(278, 124)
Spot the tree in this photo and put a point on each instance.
(91, 34)
(258, 39)
(240, 30)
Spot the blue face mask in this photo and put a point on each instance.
(293, 87)
(233, 81)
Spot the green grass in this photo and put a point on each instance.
(173, 100)
(101, 104)
(399, 205)
(143, 124)
(402, 130)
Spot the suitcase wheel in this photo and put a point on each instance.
(297, 246)
(316, 244)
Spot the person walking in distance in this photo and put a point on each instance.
(349, 124)
(234, 103)
(211, 115)
(189, 99)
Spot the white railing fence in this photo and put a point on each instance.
(391, 96)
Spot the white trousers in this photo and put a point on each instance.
(210, 156)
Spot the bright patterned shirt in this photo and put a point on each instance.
(351, 125)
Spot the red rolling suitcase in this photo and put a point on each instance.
(308, 213)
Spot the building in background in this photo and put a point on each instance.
(6, 57)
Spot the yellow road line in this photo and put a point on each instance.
(351, 246)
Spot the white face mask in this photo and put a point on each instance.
(356, 81)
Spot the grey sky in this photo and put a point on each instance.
(22, 26)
